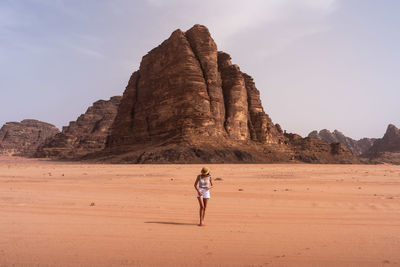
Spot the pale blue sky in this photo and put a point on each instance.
(331, 64)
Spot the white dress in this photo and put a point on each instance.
(203, 184)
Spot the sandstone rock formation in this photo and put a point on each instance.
(185, 89)
(23, 138)
(357, 147)
(314, 150)
(386, 149)
(188, 103)
(85, 135)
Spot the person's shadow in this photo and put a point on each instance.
(172, 223)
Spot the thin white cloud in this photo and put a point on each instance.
(84, 50)
(324, 5)
(17, 23)
(85, 44)
(229, 17)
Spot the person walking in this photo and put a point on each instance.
(204, 182)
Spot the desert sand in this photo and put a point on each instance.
(72, 214)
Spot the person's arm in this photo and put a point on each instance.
(211, 183)
(195, 184)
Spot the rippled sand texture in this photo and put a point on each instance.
(70, 214)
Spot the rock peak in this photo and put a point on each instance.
(198, 26)
(177, 32)
(386, 149)
(392, 132)
(391, 128)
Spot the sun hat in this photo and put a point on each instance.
(205, 170)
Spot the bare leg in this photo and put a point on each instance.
(201, 212)
(205, 200)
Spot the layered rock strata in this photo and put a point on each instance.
(86, 135)
(185, 89)
(23, 138)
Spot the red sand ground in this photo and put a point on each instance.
(146, 215)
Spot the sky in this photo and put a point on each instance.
(318, 64)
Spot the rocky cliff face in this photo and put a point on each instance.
(365, 144)
(186, 90)
(188, 103)
(23, 138)
(390, 142)
(85, 135)
(386, 149)
(357, 147)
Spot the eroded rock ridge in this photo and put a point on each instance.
(357, 147)
(23, 138)
(86, 135)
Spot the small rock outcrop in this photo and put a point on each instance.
(357, 147)
(23, 138)
(386, 149)
(86, 135)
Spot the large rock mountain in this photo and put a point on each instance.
(23, 138)
(185, 89)
(357, 147)
(386, 149)
(188, 103)
(86, 135)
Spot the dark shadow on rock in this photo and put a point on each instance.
(173, 223)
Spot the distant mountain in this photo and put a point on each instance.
(23, 138)
(313, 150)
(357, 147)
(386, 149)
(85, 135)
